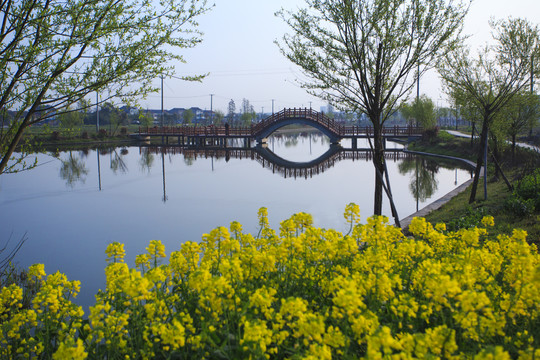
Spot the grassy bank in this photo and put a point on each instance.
(500, 203)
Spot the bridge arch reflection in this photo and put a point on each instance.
(273, 162)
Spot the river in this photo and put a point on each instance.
(74, 203)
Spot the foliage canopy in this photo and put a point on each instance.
(55, 52)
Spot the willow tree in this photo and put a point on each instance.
(365, 55)
(488, 82)
(55, 53)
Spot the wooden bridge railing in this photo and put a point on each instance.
(255, 129)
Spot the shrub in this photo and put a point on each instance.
(430, 134)
(302, 292)
(529, 188)
(470, 219)
(444, 136)
(519, 207)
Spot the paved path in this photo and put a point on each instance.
(520, 144)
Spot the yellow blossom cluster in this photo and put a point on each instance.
(300, 293)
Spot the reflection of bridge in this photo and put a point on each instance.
(276, 164)
(217, 135)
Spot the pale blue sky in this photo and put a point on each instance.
(238, 51)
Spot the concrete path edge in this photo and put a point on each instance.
(444, 199)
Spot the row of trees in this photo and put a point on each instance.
(518, 117)
(366, 55)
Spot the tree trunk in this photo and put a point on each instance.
(496, 155)
(479, 161)
(378, 162)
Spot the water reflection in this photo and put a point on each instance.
(118, 163)
(73, 170)
(423, 180)
(146, 161)
(270, 160)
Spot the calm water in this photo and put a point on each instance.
(75, 203)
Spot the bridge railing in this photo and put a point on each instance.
(187, 130)
(300, 113)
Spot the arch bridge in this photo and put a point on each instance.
(216, 135)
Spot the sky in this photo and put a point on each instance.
(239, 53)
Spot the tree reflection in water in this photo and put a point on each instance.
(146, 161)
(117, 161)
(73, 170)
(423, 181)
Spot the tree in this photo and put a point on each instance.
(218, 117)
(230, 114)
(248, 113)
(422, 111)
(362, 55)
(70, 120)
(56, 52)
(145, 118)
(520, 114)
(188, 116)
(487, 83)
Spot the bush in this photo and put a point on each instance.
(304, 292)
(519, 207)
(529, 188)
(471, 218)
(444, 136)
(430, 134)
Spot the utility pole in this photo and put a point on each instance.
(211, 108)
(310, 105)
(162, 111)
(97, 112)
(418, 83)
(532, 74)
(272, 106)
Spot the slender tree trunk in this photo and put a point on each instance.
(479, 160)
(496, 155)
(378, 162)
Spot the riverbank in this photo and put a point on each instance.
(457, 213)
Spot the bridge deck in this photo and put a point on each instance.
(285, 117)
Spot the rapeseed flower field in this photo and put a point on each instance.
(298, 293)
